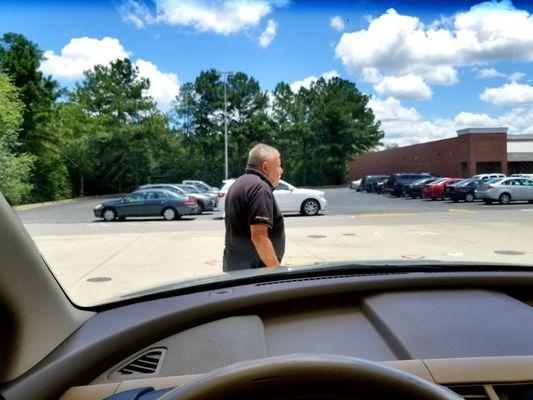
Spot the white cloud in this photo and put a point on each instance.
(337, 23)
(489, 73)
(408, 87)
(82, 54)
(223, 17)
(268, 34)
(307, 82)
(516, 76)
(135, 13)
(509, 94)
(399, 45)
(492, 73)
(164, 87)
(406, 126)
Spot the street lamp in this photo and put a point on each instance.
(227, 74)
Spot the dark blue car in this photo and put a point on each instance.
(147, 203)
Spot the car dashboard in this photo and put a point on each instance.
(468, 330)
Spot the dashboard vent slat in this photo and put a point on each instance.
(148, 363)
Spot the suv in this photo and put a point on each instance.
(368, 182)
(397, 183)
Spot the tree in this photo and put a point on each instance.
(110, 119)
(344, 124)
(20, 59)
(15, 168)
(199, 118)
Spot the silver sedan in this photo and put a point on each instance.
(506, 190)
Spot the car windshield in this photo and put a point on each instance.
(191, 189)
(99, 98)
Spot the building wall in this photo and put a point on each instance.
(456, 157)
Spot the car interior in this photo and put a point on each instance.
(428, 331)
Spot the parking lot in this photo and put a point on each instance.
(95, 260)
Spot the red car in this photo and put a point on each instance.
(435, 190)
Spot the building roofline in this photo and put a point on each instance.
(482, 130)
(520, 137)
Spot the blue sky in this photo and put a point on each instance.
(430, 67)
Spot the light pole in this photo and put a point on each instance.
(227, 74)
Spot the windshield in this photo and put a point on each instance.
(98, 98)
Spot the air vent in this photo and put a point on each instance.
(471, 392)
(148, 363)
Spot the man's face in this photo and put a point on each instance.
(272, 169)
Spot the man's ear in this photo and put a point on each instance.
(264, 166)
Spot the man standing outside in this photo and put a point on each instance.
(255, 232)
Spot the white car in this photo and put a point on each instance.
(289, 198)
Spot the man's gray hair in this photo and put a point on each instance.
(259, 154)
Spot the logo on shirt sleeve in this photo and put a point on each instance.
(259, 218)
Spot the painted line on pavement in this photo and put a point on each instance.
(458, 210)
(386, 215)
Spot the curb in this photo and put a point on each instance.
(23, 207)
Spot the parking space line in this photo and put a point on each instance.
(458, 210)
(386, 215)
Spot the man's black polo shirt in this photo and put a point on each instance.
(250, 200)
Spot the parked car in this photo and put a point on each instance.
(463, 190)
(368, 181)
(205, 202)
(435, 189)
(530, 176)
(414, 189)
(289, 198)
(147, 203)
(397, 183)
(486, 177)
(506, 190)
(354, 185)
(201, 186)
(379, 186)
(194, 189)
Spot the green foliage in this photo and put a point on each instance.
(15, 170)
(107, 135)
(114, 138)
(20, 60)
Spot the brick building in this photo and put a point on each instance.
(473, 151)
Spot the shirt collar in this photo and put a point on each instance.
(260, 175)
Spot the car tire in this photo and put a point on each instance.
(469, 198)
(505, 198)
(169, 214)
(487, 201)
(310, 207)
(201, 208)
(109, 215)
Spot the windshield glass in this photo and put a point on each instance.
(98, 98)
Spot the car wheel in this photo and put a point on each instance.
(469, 198)
(201, 208)
(169, 214)
(505, 198)
(109, 215)
(487, 201)
(404, 193)
(310, 207)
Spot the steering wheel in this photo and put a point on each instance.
(309, 376)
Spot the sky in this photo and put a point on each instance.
(430, 67)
